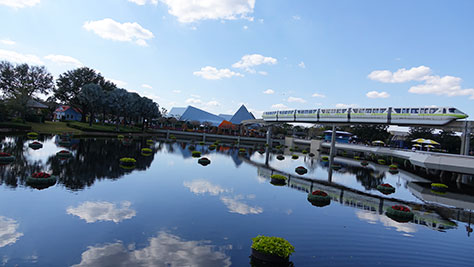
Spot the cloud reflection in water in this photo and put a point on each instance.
(8, 231)
(103, 211)
(163, 250)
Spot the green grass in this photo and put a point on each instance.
(52, 127)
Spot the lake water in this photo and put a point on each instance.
(171, 211)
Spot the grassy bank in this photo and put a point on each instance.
(52, 127)
(106, 128)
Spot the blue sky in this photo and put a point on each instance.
(267, 54)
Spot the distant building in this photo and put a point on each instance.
(341, 136)
(37, 106)
(191, 113)
(67, 113)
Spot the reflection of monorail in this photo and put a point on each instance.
(427, 116)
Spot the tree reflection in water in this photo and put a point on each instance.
(92, 159)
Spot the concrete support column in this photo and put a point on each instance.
(269, 136)
(466, 138)
(238, 141)
(204, 137)
(332, 152)
(167, 134)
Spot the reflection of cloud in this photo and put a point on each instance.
(102, 211)
(373, 218)
(236, 206)
(199, 187)
(233, 203)
(163, 250)
(8, 233)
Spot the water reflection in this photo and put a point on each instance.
(234, 203)
(103, 211)
(373, 218)
(163, 250)
(8, 231)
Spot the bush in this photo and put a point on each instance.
(294, 156)
(273, 246)
(128, 160)
(196, 154)
(304, 152)
(278, 177)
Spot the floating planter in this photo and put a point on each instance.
(336, 166)
(212, 147)
(63, 142)
(146, 152)
(364, 163)
(277, 179)
(120, 136)
(325, 158)
(204, 161)
(381, 161)
(439, 188)
(304, 152)
(356, 157)
(150, 141)
(294, 156)
(201, 143)
(301, 170)
(278, 147)
(126, 142)
(311, 154)
(273, 251)
(35, 145)
(400, 213)
(41, 180)
(64, 154)
(128, 163)
(393, 169)
(280, 157)
(319, 198)
(6, 158)
(386, 189)
(196, 154)
(191, 147)
(32, 135)
(261, 151)
(242, 151)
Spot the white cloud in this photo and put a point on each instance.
(264, 73)
(213, 103)
(163, 250)
(318, 95)
(147, 86)
(279, 106)
(245, 27)
(176, 91)
(302, 65)
(193, 101)
(102, 211)
(8, 231)
(64, 60)
(340, 105)
(211, 73)
(296, 17)
(201, 187)
(19, 3)
(7, 42)
(20, 58)
(375, 94)
(123, 32)
(119, 83)
(296, 99)
(249, 61)
(401, 75)
(446, 85)
(190, 11)
(143, 2)
(235, 205)
(269, 92)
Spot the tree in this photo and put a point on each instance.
(91, 97)
(449, 141)
(369, 133)
(420, 132)
(70, 83)
(22, 82)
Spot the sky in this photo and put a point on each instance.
(266, 54)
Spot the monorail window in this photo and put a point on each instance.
(376, 110)
(368, 110)
(444, 111)
(382, 110)
(338, 111)
(433, 110)
(415, 111)
(452, 110)
(344, 110)
(398, 110)
(355, 110)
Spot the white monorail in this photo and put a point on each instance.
(390, 115)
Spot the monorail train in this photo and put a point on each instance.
(390, 115)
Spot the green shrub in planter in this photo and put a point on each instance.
(271, 245)
(278, 179)
(150, 141)
(325, 158)
(294, 156)
(212, 147)
(146, 152)
(196, 154)
(393, 167)
(280, 157)
(120, 136)
(381, 161)
(439, 188)
(32, 135)
(291, 150)
(242, 150)
(356, 157)
(201, 143)
(304, 152)
(128, 161)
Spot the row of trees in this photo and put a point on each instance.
(82, 88)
